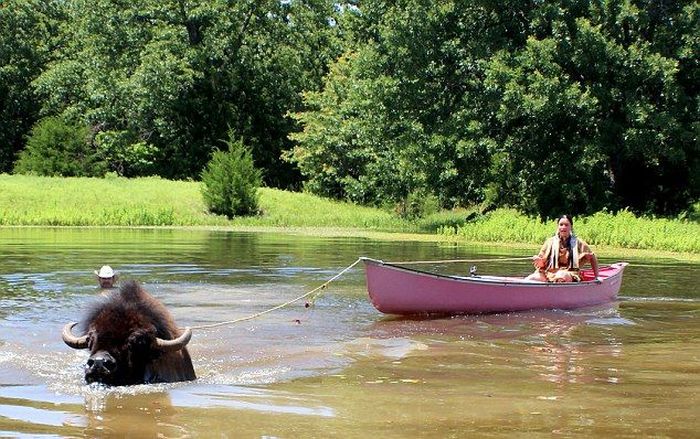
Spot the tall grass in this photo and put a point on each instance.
(282, 208)
(50, 201)
(30, 200)
(622, 229)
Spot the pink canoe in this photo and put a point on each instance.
(399, 290)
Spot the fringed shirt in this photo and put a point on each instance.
(565, 254)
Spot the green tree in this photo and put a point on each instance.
(28, 36)
(594, 114)
(648, 103)
(395, 116)
(172, 76)
(545, 106)
(57, 147)
(543, 129)
(230, 181)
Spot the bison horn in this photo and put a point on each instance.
(73, 341)
(176, 344)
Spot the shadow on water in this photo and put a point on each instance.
(338, 367)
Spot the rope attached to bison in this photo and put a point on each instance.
(316, 291)
(282, 305)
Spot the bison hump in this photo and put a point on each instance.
(131, 308)
(131, 291)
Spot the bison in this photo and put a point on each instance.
(132, 339)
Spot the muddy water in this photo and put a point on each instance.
(340, 367)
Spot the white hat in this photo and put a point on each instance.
(105, 272)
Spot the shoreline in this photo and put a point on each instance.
(606, 252)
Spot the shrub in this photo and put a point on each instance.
(57, 147)
(230, 181)
(418, 204)
(126, 154)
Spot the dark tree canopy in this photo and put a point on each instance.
(563, 106)
(29, 37)
(558, 106)
(162, 82)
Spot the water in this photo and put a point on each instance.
(340, 367)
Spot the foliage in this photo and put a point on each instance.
(594, 99)
(418, 204)
(622, 229)
(693, 214)
(126, 154)
(380, 129)
(230, 181)
(153, 201)
(28, 37)
(545, 124)
(546, 107)
(60, 148)
(165, 79)
(343, 150)
(570, 106)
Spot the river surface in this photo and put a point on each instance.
(339, 368)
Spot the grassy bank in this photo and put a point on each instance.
(45, 201)
(35, 201)
(622, 230)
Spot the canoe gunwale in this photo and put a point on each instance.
(490, 280)
(396, 289)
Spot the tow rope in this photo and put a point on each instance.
(282, 305)
(316, 291)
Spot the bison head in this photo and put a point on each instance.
(132, 340)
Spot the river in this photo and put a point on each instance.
(339, 367)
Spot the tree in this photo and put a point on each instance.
(648, 107)
(611, 125)
(550, 107)
(58, 147)
(173, 76)
(230, 181)
(395, 116)
(543, 129)
(28, 37)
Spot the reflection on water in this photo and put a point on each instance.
(340, 367)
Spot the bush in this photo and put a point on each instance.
(230, 181)
(126, 154)
(57, 147)
(418, 204)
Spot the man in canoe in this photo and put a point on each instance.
(562, 254)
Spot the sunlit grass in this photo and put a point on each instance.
(29, 200)
(283, 208)
(622, 229)
(48, 201)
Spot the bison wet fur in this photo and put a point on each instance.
(132, 339)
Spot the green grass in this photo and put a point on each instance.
(33, 201)
(27, 200)
(114, 201)
(285, 209)
(622, 230)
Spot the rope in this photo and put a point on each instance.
(343, 271)
(461, 260)
(253, 316)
